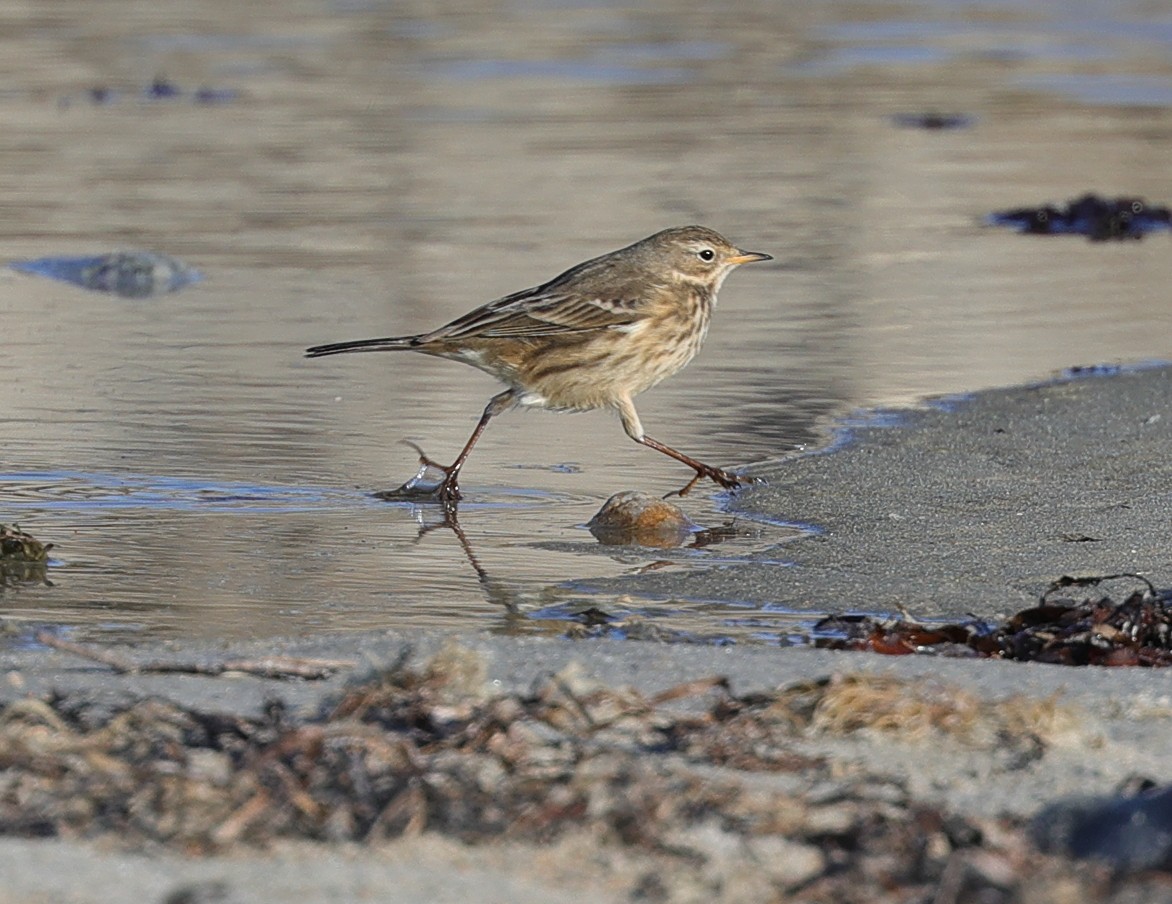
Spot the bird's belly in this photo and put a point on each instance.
(596, 374)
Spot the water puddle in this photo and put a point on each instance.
(601, 71)
(380, 172)
(1056, 37)
(160, 557)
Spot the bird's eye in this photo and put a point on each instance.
(707, 254)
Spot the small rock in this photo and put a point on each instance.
(637, 518)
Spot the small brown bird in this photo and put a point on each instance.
(594, 337)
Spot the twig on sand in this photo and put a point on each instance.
(264, 667)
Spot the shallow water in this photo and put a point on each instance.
(382, 168)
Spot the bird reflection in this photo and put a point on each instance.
(519, 599)
(509, 596)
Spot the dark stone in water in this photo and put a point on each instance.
(131, 274)
(1101, 219)
(932, 121)
(161, 89)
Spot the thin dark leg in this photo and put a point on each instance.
(448, 491)
(726, 479)
(452, 522)
(497, 592)
(630, 418)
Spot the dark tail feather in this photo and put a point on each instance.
(390, 344)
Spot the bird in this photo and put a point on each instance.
(593, 337)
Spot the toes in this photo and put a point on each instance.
(728, 480)
(686, 488)
(448, 492)
(426, 460)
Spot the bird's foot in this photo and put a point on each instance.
(424, 485)
(447, 491)
(726, 479)
(425, 462)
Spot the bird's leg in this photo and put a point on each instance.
(634, 429)
(448, 491)
(726, 479)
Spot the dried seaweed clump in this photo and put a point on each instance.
(1100, 219)
(23, 558)
(1090, 630)
(700, 793)
(406, 752)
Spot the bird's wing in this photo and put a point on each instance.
(542, 313)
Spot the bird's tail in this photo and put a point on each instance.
(390, 344)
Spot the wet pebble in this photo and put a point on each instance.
(131, 274)
(632, 517)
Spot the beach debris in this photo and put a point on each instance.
(1100, 219)
(1090, 630)
(711, 788)
(265, 667)
(23, 558)
(131, 274)
(21, 546)
(594, 623)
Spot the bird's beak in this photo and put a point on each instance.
(747, 257)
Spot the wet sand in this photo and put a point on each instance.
(969, 505)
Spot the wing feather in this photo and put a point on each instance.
(531, 314)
